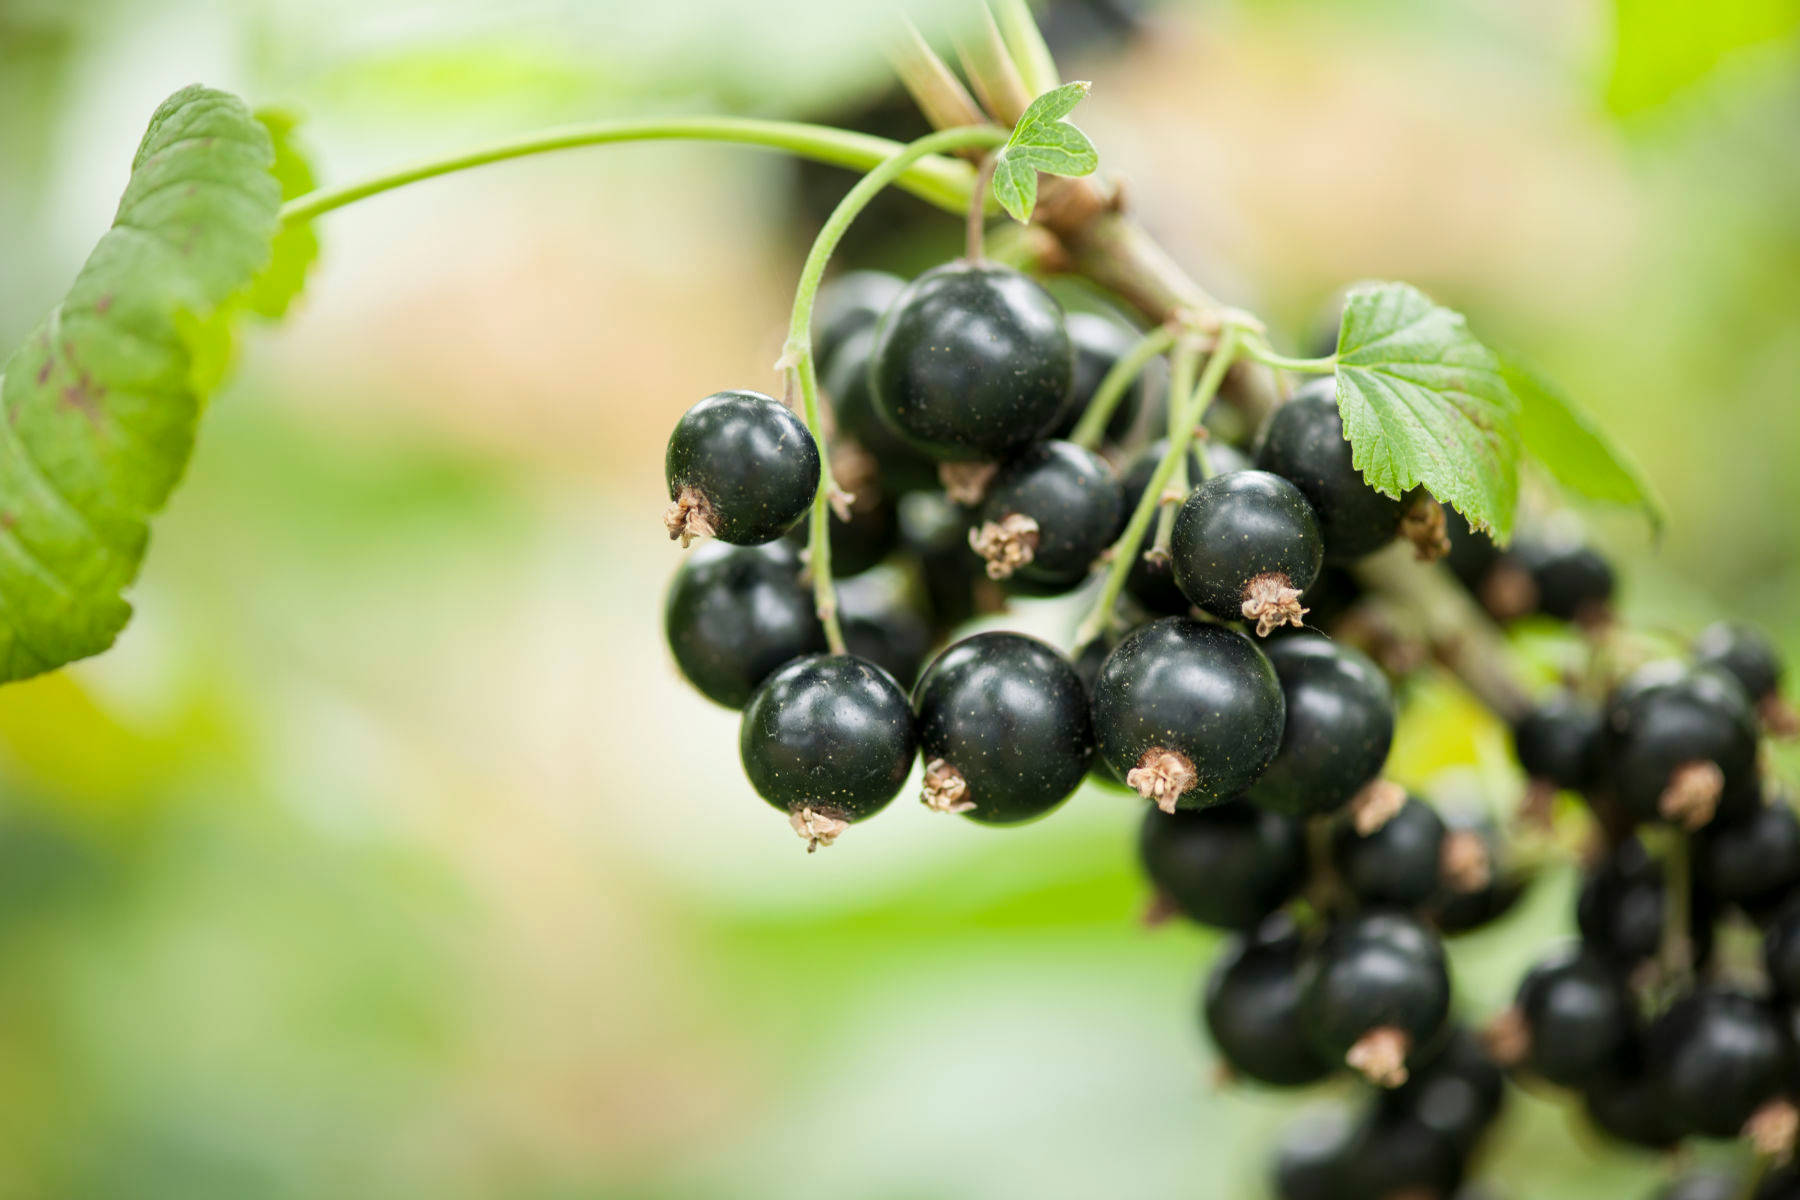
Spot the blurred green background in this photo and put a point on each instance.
(387, 855)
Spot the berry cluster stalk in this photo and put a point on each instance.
(1181, 383)
(797, 355)
(1126, 548)
(1092, 426)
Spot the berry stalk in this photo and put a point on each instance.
(797, 355)
(1181, 383)
(1126, 548)
(1092, 426)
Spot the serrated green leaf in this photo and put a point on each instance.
(1424, 403)
(1042, 141)
(296, 247)
(1566, 441)
(98, 407)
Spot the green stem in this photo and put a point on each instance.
(1126, 548)
(943, 182)
(1092, 426)
(1260, 350)
(1675, 956)
(1181, 383)
(797, 355)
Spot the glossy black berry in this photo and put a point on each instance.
(1339, 726)
(1743, 653)
(1245, 547)
(934, 532)
(1187, 713)
(1576, 1014)
(1621, 906)
(734, 614)
(741, 468)
(1572, 581)
(1047, 516)
(827, 739)
(1228, 866)
(881, 622)
(1100, 342)
(1678, 742)
(1374, 992)
(1003, 728)
(1781, 951)
(1396, 1155)
(1398, 863)
(899, 468)
(1476, 886)
(1151, 582)
(1304, 443)
(1560, 741)
(1457, 1092)
(1312, 1160)
(1720, 1055)
(1752, 860)
(1252, 1011)
(849, 304)
(972, 362)
(1472, 552)
(1625, 1101)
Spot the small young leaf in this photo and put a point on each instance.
(297, 245)
(1560, 435)
(98, 407)
(1042, 141)
(1423, 402)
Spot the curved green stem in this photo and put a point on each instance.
(1092, 426)
(945, 183)
(1125, 549)
(1181, 383)
(797, 354)
(1260, 350)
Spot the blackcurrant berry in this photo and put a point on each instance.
(1047, 516)
(1457, 1092)
(882, 623)
(1559, 742)
(1221, 459)
(847, 305)
(1678, 745)
(1621, 906)
(1751, 659)
(935, 532)
(1152, 579)
(972, 362)
(741, 468)
(1245, 547)
(1574, 1013)
(1472, 552)
(1252, 1010)
(1338, 728)
(734, 614)
(1625, 1101)
(874, 456)
(1721, 1055)
(1312, 1160)
(1304, 443)
(1099, 343)
(828, 739)
(1475, 886)
(1753, 860)
(1003, 729)
(1781, 951)
(1395, 1154)
(1228, 866)
(1374, 992)
(1399, 863)
(1571, 580)
(1187, 713)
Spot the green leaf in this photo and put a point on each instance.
(296, 247)
(1424, 403)
(98, 407)
(1042, 141)
(1562, 437)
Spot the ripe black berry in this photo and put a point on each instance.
(1048, 515)
(1245, 547)
(1744, 654)
(828, 739)
(935, 533)
(1560, 741)
(1399, 863)
(847, 305)
(1187, 713)
(882, 623)
(1626, 1102)
(1457, 1092)
(1338, 728)
(1396, 1155)
(1099, 343)
(1620, 910)
(1304, 443)
(1575, 1016)
(1475, 885)
(1252, 1010)
(1228, 866)
(972, 362)
(1374, 992)
(1677, 744)
(1721, 1055)
(734, 614)
(1781, 952)
(1570, 579)
(1152, 579)
(1753, 860)
(1472, 552)
(741, 468)
(1313, 1158)
(888, 463)
(1003, 729)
